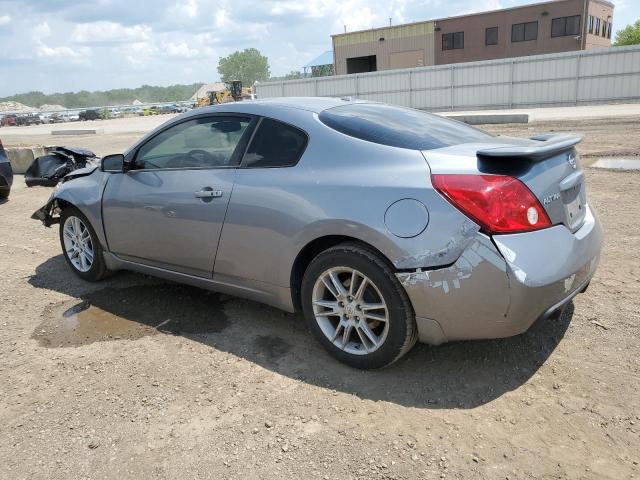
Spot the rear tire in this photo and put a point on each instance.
(80, 246)
(368, 327)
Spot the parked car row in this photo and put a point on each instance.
(16, 120)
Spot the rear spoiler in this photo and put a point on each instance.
(550, 144)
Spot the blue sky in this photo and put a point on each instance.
(68, 45)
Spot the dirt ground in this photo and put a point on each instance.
(139, 378)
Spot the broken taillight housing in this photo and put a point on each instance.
(499, 203)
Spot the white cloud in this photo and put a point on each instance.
(41, 31)
(188, 9)
(138, 54)
(4, 19)
(109, 32)
(179, 50)
(62, 52)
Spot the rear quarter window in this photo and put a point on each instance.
(275, 144)
(399, 127)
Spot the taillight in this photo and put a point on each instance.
(500, 204)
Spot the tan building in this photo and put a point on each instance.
(549, 27)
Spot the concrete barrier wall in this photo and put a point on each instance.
(609, 75)
(21, 157)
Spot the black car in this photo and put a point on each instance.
(29, 119)
(89, 115)
(6, 174)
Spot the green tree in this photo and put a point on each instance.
(322, 71)
(247, 66)
(630, 35)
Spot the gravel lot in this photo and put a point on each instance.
(138, 378)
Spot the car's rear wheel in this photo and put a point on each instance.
(355, 306)
(80, 245)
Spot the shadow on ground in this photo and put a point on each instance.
(128, 306)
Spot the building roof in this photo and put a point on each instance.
(325, 58)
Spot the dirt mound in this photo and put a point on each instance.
(15, 107)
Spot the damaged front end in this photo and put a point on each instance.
(49, 214)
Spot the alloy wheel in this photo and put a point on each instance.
(78, 244)
(350, 310)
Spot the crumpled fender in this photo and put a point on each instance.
(83, 189)
(46, 213)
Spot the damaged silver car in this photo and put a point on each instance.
(383, 225)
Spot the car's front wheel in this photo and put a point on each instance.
(356, 307)
(80, 245)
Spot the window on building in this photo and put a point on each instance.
(565, 26)
(596, 31)
(491, 36)
(604, 28)
(453, 41)
(590, 23)
(524, 32)
(609, 31)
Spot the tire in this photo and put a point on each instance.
(97, 269)
(395, 336)
(4, 194)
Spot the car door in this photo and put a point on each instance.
(167, 211)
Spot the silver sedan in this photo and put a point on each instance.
(383, 225)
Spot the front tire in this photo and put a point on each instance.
(80, 246)
(355, 306)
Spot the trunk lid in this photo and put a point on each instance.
(548, 165)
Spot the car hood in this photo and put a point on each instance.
(81, 172)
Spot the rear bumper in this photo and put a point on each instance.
(499, 286)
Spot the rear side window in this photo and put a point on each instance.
(275, 144)
(399, 127)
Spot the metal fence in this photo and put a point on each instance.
(573, 78)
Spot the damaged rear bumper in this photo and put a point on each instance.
(499, 287)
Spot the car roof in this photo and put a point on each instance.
(310, 104)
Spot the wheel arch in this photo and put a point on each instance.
(311, 250)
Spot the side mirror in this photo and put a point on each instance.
(113, 163)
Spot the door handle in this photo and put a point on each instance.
(208, 194)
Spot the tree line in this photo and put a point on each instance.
(118, 96)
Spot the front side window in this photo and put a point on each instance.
(399, 126)
(491, 36)
(453, 41)
(275, 144)
(208, 142)
(524, 32)
(565, 26)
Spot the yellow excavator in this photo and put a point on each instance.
(233, 92)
